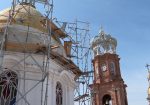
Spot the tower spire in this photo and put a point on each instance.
(103, 43)
(108, 87)
(101, 29)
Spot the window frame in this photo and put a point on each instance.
(59, 94)
(8, 87)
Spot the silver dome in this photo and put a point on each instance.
(103, 43)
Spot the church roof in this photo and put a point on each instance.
(26, 15)
(29, 16)
(66, 63)
(104, 43)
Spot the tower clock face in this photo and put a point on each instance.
(103, 67)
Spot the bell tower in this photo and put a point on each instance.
(108, 87)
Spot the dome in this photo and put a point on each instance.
(24, 15)
(103, 43)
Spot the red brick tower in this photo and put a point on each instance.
(108, 87)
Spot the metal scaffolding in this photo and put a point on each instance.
(29, 56)
(78, 34)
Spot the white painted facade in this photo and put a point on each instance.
(27, 66)
(33, 74)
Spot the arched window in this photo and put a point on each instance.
(8, 88)
(107, 100)
(112, 68)
(59, 94)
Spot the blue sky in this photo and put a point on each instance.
(126, 20)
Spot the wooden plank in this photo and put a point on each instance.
(81, 97)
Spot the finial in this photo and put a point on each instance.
(101, 29)
(101, 32)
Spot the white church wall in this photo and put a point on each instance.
(68, 86)
(29, 78)
(26, 81)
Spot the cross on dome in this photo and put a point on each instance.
(101, 32)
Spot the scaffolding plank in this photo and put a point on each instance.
(81, 97)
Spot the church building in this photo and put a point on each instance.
(34, 65)
(108, 87)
